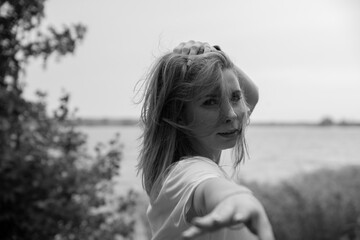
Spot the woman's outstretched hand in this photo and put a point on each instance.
(234, 211)
(193, 48)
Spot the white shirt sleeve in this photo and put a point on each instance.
(168, 212)
(184, 179)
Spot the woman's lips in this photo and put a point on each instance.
(230, 133)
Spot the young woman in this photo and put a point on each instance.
(196, 104)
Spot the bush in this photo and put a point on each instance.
(50, 187)
(323, 205)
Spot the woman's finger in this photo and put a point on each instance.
(201, 226)
(194, 50)
(185, 50)
(211, 223)
(239, 218)
(222, 215)
(264, 229)
(187, 47)
(192, 233)
(258, 224)
(266, 235)
(207, 48)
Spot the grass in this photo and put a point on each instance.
(324, 205)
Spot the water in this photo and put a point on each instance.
(276, 153)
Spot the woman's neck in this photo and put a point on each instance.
(212, 155)
(197, 149)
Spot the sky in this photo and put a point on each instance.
(303, 55)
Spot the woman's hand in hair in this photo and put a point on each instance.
(193, 48)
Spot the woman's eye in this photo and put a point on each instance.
(211, 102)
(236, 98)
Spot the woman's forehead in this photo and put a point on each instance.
(228, 82)
(214, 91)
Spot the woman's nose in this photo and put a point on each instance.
(229, 113)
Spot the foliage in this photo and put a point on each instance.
(50, 187)
(323, 205)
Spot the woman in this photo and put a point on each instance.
(196, 104)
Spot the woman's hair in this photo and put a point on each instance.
(174, 80)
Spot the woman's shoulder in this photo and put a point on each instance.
(185, 171)
(187, 174)
(192, 164)
(194, 161)
(191, 168)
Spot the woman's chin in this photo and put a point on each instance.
(228, 145)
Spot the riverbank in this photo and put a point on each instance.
(320, 205)
(103, 122)
(277, 154)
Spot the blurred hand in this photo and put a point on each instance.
(233, 211)
(193, 48)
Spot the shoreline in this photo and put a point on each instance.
(326, 122)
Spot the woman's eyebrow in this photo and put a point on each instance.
(237, 92)
(212, 95)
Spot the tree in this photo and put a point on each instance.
(50, 187)
(326, 121)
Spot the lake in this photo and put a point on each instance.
(276, 152)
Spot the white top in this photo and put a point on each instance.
(168, 211)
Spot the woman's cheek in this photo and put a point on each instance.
(206, 121)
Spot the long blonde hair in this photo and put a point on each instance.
(174, 80)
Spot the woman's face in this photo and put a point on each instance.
(216, 119)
